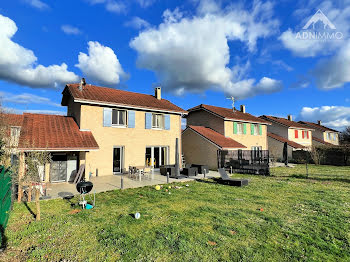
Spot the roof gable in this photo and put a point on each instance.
(317, 126)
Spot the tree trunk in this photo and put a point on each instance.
(37, 202)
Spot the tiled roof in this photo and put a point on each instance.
(322, 141)
(12, 119)
(230, 114)
(283, 140)
(317, 126)
(216, 138)
(91, 93)
(53, 132)
(285, 122)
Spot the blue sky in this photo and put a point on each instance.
(199, 51)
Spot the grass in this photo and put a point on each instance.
(285, 217)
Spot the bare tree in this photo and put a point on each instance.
(316, 154)
(345, 136)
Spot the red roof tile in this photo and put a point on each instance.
(54, 132)
(230, 114)
(216, 138)
(91, 93)
(283, 140)
(322, 141)
(317, 126)
(285, 122)
(12, 119)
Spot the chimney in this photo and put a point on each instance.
(158, 93)
(82, 84)
(319, 122)
(290, 117)
(243, 108)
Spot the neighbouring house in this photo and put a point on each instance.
(297, 136)
(322, 135)
(131, 129)
(59, 135)
(212, 128)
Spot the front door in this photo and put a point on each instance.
(58, 168)
(117, 160)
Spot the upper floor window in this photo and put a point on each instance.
(335, 137)
(255, 130)
(329, 136)
(158, 121)
(296, 133)
(118, 117)
(239, 128)
(305, 134)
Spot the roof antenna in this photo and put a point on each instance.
(233, 102)
(82, 84)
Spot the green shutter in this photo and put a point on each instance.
(252, 129)
(244, 128)
(235, 127)
(260, 129)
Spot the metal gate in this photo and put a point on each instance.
(245, 161)
(5, 196)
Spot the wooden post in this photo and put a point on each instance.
(21, 170)
(29, 193)
(37, 203)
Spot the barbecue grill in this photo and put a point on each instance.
(84, 188)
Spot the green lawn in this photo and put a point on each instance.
(285, 217)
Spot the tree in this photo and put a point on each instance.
(345, 136)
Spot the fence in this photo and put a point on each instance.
(5, 196)
(245, 161)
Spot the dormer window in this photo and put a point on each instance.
(118, 117)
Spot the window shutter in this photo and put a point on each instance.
(296, 133)
(131, 119)
(260, 129)
(235, 127)
(303, 135)
(107, 116)
(167, 122)
(148, 120)
(244, 128)
(252, 129)
(307, 134)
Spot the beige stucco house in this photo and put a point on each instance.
(131, 129)
(284, 130)
(212, 128)
(322, 135)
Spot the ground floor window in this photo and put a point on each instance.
(157, 156)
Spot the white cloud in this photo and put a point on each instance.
(37, 4)
(145, 3)
(339, 15)
(337, 117)
(18, 64)
(333, 72)
(137, 23)
(192, 54)
(101, 64)
(26, 98)
(70, 30)
(111, 5)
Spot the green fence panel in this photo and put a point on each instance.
(5, 195)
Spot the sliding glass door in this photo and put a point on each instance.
(157, 156)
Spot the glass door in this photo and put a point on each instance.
(117, 160)
(156, 156)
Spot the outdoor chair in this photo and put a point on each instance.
(201, 168)
(225, 179)
(190, 171)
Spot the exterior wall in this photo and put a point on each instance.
(276, 149)
(318, 134)
(133, 140)
(198, 150)
(278, 130)
(204, 118)
(300, 140)
(74, 110)
(247, 139)
(334, 142)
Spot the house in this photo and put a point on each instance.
(297, 136)
(59, 135)
(131, 129)
(322, 135)
(211, 128)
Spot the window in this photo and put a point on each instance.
(335, 137)
(329, 136)
(118, 117)
(158, 121)
(255, 129)
(305, 134)
(239, 128)
(15, 131)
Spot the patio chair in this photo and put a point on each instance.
(201, 168)
(225, 179)
(190, 171)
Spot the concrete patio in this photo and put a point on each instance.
(108, 183)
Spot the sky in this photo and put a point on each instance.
(198, 51)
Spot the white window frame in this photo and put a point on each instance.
(256, 129)
(240, 128)
(159, 121)
(118, 118)
(305, 134)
